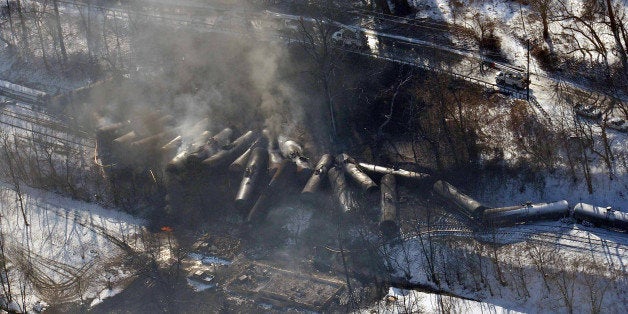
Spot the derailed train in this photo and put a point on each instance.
(529, 212)
(269, 166)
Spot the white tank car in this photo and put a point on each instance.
(524, 213)
(467, 205)
(601, 216)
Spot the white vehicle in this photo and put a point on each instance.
(512, 78)
(349, 37)
(618, 124)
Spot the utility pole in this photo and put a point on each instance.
(523, 24)
(528, 75)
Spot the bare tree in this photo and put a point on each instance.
(586, 28)
(60, 35)
(380, 135)
(38, 20)
(85, 12)
(12, 42)
(617, 24)
(5, 278)
(544, 9)
(541, 258)
(11, 164)
(317, 42)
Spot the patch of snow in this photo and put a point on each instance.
(199, 286)
(13, 306)
(532, 258)
(410, 301)
(266, 306)
(39, 306)
(67, 243)
(106, 293)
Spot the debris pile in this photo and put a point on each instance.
(274, 285)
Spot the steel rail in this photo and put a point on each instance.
(47, 135)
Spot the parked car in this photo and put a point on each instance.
(618, 124)
(587, 111)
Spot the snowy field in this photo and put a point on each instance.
(540, 268)
(409, 301)
(69, 250)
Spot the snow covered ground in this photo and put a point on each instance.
(534, 268)
(68, 251)
(410, 301)
(540, 268)
(512, 23)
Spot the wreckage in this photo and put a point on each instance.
(267, 167)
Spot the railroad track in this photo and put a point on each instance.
(21, 93)
(41, 111)
(54, 137)
(499, 88)
(51, 132)
(213, 27)
(423, 23)
(415, 22)
(44, 123)
(580, 243)
(533, 235)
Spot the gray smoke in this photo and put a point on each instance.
(246, 83)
